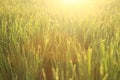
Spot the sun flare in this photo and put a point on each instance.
(73, 1)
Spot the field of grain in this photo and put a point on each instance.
(52, 40)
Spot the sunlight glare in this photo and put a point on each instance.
(70, 2)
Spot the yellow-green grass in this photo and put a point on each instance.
(39, 43)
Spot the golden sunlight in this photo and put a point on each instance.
(71, 2)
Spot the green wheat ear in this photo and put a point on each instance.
(89, 60)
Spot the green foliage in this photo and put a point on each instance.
(37, 43)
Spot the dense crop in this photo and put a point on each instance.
(39, 42)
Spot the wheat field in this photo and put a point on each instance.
(51, 40)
